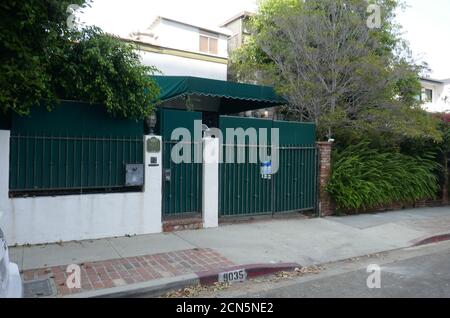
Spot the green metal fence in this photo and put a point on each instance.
(76, 148)
(49, 163)
(246, 191)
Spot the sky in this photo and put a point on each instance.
(426, 23)
(123, 17)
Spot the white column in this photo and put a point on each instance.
(153, 185)
(210, 196)
(4, 173)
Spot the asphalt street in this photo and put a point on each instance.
(419, 272)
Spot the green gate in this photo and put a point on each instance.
(242, 190)
(182, 182)
(245, 190)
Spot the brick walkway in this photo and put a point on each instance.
(125, 271)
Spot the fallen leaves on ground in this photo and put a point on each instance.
(195, 291)
(299, 272)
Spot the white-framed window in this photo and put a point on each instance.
(209, 43)
(427, 95)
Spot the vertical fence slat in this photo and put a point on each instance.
(117, 162)
(18, 162)
(110, 161)
(192, 166)
(26, 166)
(42, 162)
(81, 165)
(51, 162)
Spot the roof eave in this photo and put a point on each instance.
(240, 15)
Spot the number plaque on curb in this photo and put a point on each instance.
(239, 275)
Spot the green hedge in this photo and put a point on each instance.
(365, 178)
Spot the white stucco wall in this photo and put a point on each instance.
(170, 35)
(171, 65)
(4, 174)
(78, 217)
(184, 37)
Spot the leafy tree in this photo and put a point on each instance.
(97, 67)
(31, 29)
(333, 69)
(43, 61)
(383, 128)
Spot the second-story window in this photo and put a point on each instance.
(209, 43)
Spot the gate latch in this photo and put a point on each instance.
(167, 175)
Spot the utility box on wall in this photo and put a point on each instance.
(134, 175)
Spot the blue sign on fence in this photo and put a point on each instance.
(266, 170)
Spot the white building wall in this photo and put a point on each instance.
(184, 37)
(188, 60)
(441, 97)
(78, 217)
(171, 65)
(444, 100)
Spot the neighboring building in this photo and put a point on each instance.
(180, 48)
(435, 94)
(237, 25)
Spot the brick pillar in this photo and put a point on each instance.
(420, 204)
(326, 207)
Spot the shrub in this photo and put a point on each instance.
(100, 68)
(365, 178)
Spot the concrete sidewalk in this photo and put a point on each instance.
(302, 241)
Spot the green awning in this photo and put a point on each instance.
(217, 96)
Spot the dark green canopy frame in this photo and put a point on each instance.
(207, 95)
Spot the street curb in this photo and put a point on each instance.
(158, 287)
(432, 239)
(153, 288)
(252, 270)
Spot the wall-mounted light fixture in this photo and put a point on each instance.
(151, 122)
